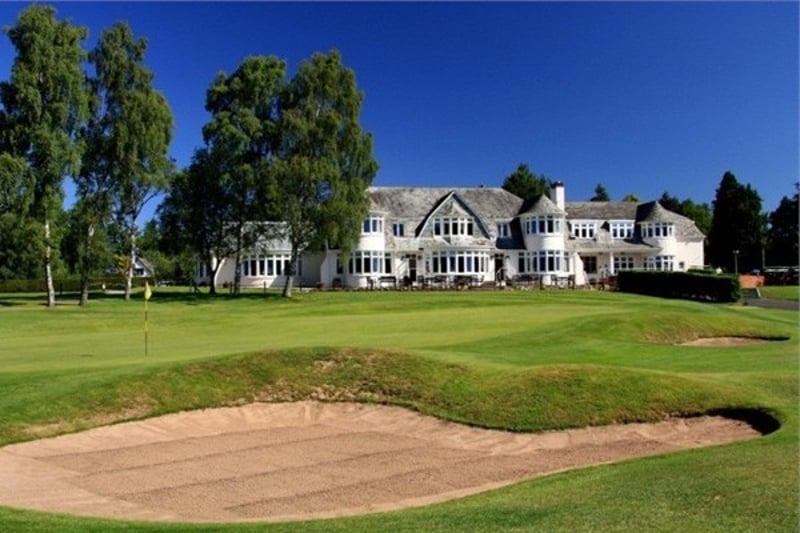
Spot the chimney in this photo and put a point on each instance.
(557, 194)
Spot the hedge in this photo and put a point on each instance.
(62, 285)
(685, 285)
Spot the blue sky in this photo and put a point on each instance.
(642, 97)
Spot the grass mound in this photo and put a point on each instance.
(532, 399)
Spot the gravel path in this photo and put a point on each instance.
(308, 460)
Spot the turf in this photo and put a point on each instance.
(517, 360)
(781, 292)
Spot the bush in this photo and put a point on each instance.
(62, 285)
(686, 285)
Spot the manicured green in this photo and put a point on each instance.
(781, 292)
(524, 361)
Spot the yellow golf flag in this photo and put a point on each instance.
(147, 292)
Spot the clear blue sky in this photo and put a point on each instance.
(642, 97)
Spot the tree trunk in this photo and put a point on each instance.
(48, 269)
(84, 265)
(212, 277)
(287, 288)
(129, 273)
(237, 273)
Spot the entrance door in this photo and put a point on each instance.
(499, 268)
(412, 268)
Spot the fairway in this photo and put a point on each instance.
(526, 361)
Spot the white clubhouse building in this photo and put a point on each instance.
(436, 237)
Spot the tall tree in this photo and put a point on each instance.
(600, 194)
(325, 161)
(737, 229)
(525, 183)
(782, 237)
(44, 104)
(195, 215)
(131, 130)
(240, 140)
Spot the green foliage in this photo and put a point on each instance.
(631, 198)
(686, 285)
(526, 184)
(700, 214)
(737, 226)
(783, 234)
(44, 105)
(325, 160)
(128, 135)
(240, 147)
(600, 194)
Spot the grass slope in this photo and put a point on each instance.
(515, 360)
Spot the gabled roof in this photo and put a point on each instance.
(456, 199)
(544, 206)
(414, 203)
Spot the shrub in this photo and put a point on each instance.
(685, 285)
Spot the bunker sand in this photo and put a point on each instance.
(306, 460)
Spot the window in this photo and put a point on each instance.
(657, 230)
(584, 230)
(369, 262)
(459, 262)
(543, 225)
(623, 263)
(447, 226)
(373, 224)
(659, 262)
(621, 230)
(503, 231)
(268, 265)
(543, 261)
(398, 229)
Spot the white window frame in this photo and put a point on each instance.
(621, 229)
(544, 225)
(584, 230)
(373, 224)
(624, 262)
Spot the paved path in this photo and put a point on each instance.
(772, 303)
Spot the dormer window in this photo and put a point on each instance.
(398, 229)
(503, 231)
(447, 226)
(373, 224)
(657, 230)
(584, 230)
(621, 230)
(543, 225)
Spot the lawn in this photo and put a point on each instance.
(781, 292)
(526, 361)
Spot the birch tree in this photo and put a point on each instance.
(44, 105)
(130, 131)
(325, 161)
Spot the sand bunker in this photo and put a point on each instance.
(308, 460)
